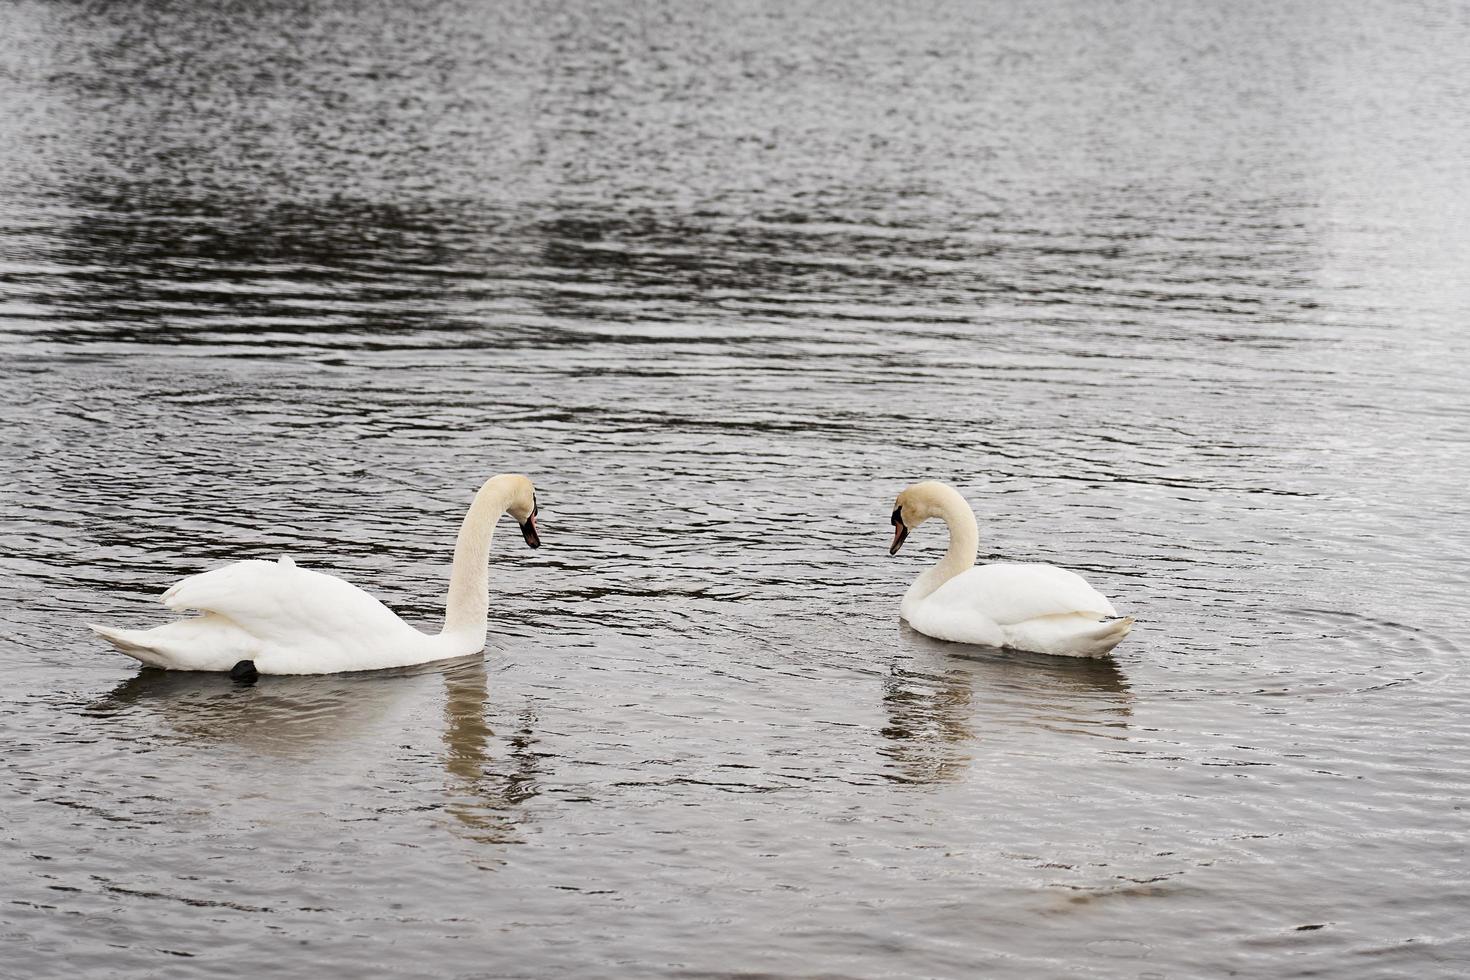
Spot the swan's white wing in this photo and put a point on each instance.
(280, 603)
(1008, 594)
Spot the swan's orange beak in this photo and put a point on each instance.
(900, 531)
(528, 531)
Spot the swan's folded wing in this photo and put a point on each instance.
(272, 600)
(1009, 594)
(244, 587)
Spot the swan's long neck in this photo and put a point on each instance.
(964, 539)
(467, 607)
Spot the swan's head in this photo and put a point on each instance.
(522, 507)
(915, 506)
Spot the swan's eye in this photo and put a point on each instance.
(898, 517)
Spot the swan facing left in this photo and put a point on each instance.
(1039, 608)
(276, 618)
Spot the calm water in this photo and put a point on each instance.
(1175, 292)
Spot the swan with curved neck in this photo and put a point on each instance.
(276, 618)
(1040, 608)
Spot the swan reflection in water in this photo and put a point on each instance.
(944, 699)
(491, 798)
(308, 717)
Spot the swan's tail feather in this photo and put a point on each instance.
(1108, 634)
(134, 643)
(1076, 634)
(209, 642)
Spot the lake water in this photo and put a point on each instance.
(1176, 293)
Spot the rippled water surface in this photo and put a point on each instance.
(1176, 293)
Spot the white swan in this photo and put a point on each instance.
(275, 618)
(1039, 608)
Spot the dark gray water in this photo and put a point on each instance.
(1176, 293)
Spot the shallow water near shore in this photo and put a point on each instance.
(1174, 294)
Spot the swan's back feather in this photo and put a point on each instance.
(277, 601)
(1008, 594)
(1039, 608)
(286, 619)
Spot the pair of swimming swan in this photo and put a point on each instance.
(264, 617)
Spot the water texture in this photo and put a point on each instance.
(1176, 293)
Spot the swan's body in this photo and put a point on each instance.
(1039, 608)
(288, 620)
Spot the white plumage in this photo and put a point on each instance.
(290, 620)
(1040, 608)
